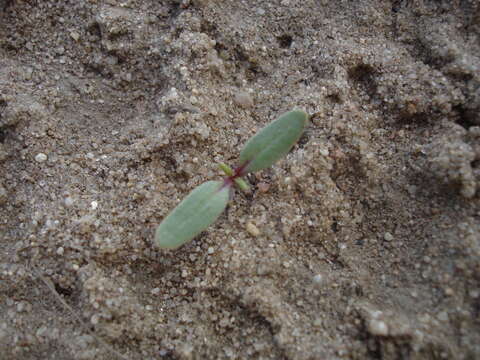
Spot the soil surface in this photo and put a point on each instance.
(363, 243)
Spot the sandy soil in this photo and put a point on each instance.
(368, 243)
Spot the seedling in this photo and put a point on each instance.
(206, 202)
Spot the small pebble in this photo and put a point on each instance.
(210, 250)
(94, 205)
(68, 201)
(442, 316)
(40, 157)
(75, 36)
(252, 229)
(263, 187)
(60, 251)
(42, 330)
(377, 327)
(388, 237)
(3, 195)
(24, 306)
(243, 99)
(318, 279)
(474, 294)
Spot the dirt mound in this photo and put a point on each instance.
(368, 242)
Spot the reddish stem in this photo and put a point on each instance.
(237, 172)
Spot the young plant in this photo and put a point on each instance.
(206, 202)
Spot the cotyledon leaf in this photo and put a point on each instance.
(193, 215)
(273, 141)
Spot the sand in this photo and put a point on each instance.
(362, 243)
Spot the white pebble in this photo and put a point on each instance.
(40, 157)
(94, 205)
(377, 327)
(318, 279)
(68, 201)
(210, 250)
(388, 237)
(75, 36)
(442, 316)
(42, 330)
(474, 294)
(24, 306)
(94, 319)
(324, 152)
(60, 251)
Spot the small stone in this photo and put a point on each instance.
(42, 330)
(41, 157)
(243, 99)
(262, 270)
(27, 73)
(3, 195)
(442, 316)
(252, 229)
(68, 201)
(210, 250)
(319, 279)
(377, 327)
(60, 251)
(24, 306)
(3, 153)
(474, 294)
(387, 236)
(263, 187)
(94, 205)
(94, 319)
(75, 36)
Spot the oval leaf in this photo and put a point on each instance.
(273, 142)
(193, 215)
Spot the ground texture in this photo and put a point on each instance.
(363, 243)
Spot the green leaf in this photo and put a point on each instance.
(273, 142)
(242, 184)
(193, 215)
